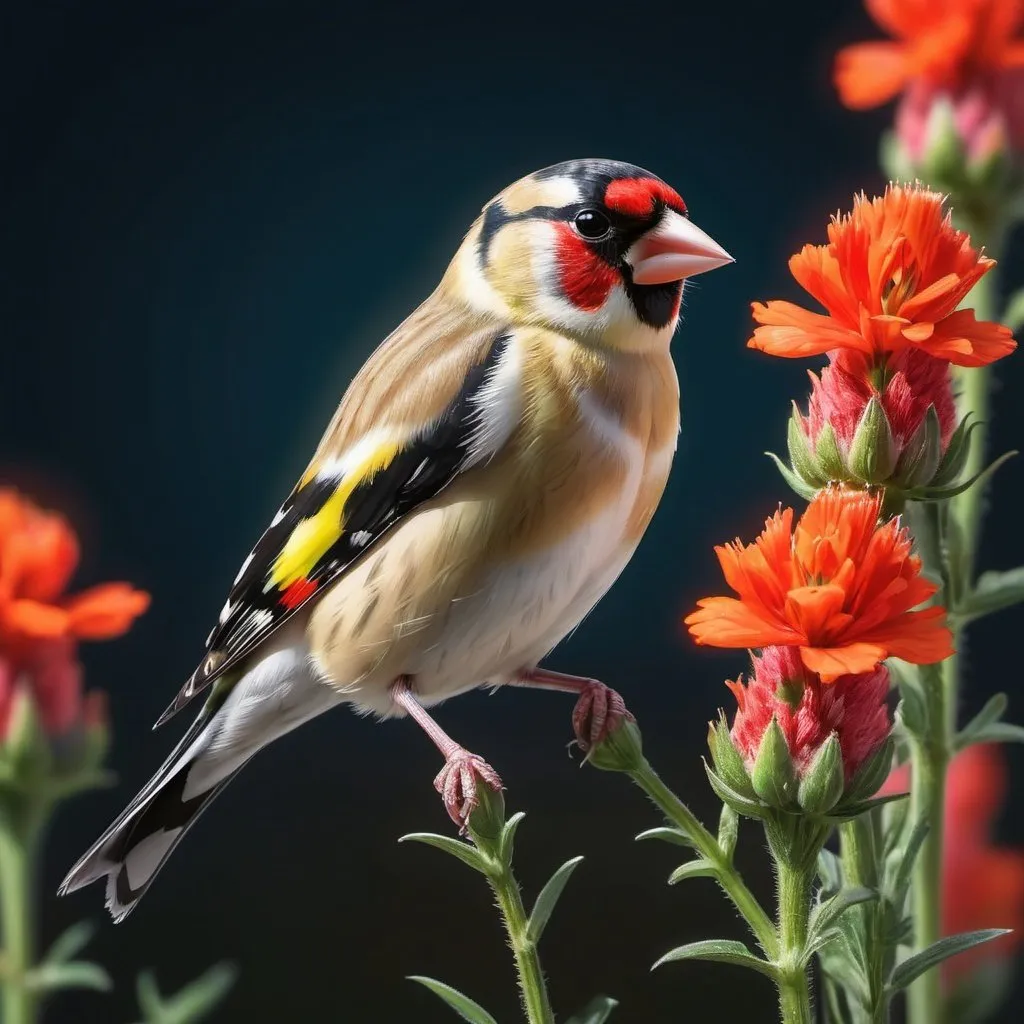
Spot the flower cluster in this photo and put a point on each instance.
(40, 625)
(958, 66)
(881, 413)
(828, 596)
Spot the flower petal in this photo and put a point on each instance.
(105, 611)
(869, 74)
(832, 662)
(34, 619)
(726, 622)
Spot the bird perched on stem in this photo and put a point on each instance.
(486, 477)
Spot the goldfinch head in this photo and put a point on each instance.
(590, 247)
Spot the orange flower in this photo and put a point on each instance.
(982, 884)
(38, 554)
(840, 587)
(891, 277)
(944, 43)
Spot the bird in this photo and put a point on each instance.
(487, 475)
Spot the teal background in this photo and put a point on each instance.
(209, 215)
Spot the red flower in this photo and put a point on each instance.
(982, 884)
(946, 44)
(891, 278)
(853, 707)
(38, 554)
(840, 587)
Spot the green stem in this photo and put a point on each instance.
(707, 846)
(930, 759)
(794, 911)
(930, 754)
(531, 977)
(18, 848)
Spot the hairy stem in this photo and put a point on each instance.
(707, 846)
(794, 910)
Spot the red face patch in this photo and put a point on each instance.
(635, 197)
(585, 278)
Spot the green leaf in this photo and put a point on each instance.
(463, 851)
(465, 1007)
(805, 491)
(913, 710)
(994, 709)
(728, 831)
(848, 811)
(997, 732)
(751, 808)
(508, 837)
(48, 977)
(548, 897)
(914, 966)
(724, 951)
(699, 868)
(668, 835)
(905, 859)
(70, 942)
(992, 592)
(189, 1004)
(825, 915)
(597, 1011)
(1013, 315)
(830, 871)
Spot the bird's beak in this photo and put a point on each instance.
(674, 250)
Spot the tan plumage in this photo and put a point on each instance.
(486, 477)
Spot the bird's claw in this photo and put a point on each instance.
(598, 710)
(457, 784)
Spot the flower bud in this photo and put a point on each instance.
(804, 744)
(867, 426)
(964, 142)
(621, 750)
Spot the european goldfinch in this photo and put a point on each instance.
(486, 477)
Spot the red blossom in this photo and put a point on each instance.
(853, 707)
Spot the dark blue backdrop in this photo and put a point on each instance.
(210, 213)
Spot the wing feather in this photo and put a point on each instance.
(360, 483)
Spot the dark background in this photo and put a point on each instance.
(210, 214)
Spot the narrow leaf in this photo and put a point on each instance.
(693, 869)
(905, 860)
(148, 995)
(463, 851)
(728, 831)
(508, 837)
(803, 490)
(993, 711)
(597, 1011)
(751, 808)
(997, 732)
(830, 871)
(465, 1007)
(725, 951)
(668, 835)
(190, 1004)
(70, 942)
(993, 592)
(48, 977)
(914, 966)
(548, 897)
(825, 915)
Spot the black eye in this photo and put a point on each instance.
(592, 224)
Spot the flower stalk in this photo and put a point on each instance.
(794, 897)
(19, 843)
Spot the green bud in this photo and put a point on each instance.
(773, 776)
(920, 459)
(895, 159)
(828, 454)
(727, 760)
(872, 773)
(822, 784)
(873, 451)
(487, 819)
(800, 457)
(943, 161)
(953, 462)
(27, 745)
(621, 750)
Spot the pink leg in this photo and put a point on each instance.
(598, 710)
(457, 780)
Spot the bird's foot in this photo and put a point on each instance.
(598, 711)
(458, 780)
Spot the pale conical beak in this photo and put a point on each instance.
(674, 250)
